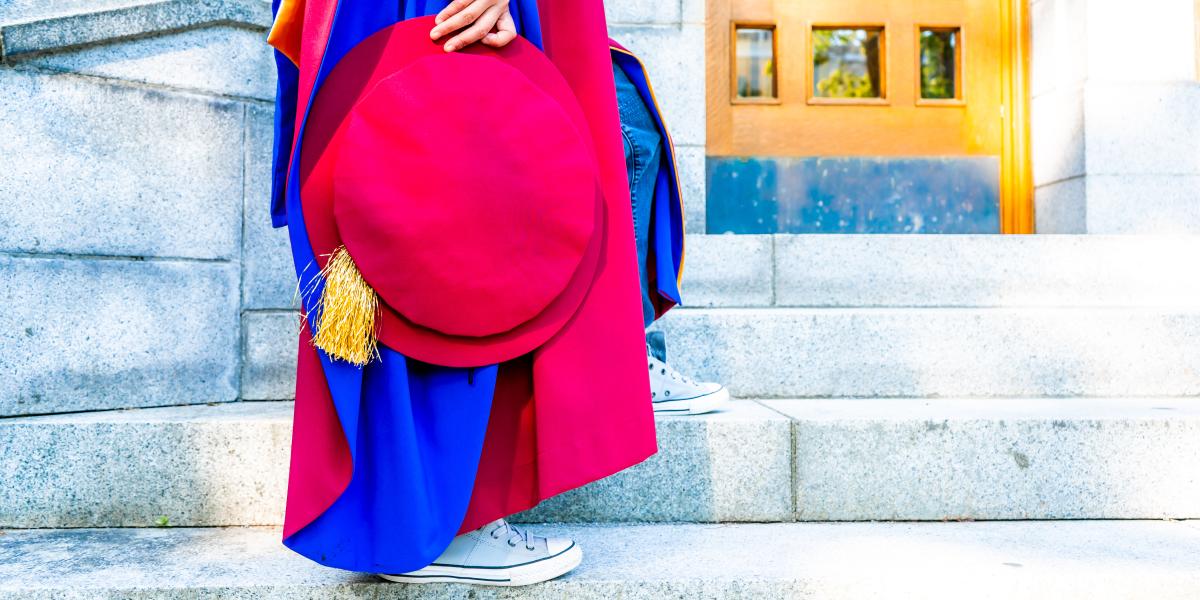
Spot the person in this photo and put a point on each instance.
(422, 434)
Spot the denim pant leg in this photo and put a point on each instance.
(643, 160)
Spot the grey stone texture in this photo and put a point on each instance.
(1056, 458)
(984, 270)
(44, 32)
(268, 272)
(728, 270)
(227, 464)
(222, 60)
(195, 465)
(1081, 560)
(114, 170)
(1126, 127)
(691, 167)
(269, 350)
(929, 352)
(88, 334)
(728, 466)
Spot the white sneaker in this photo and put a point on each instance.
(498, 554)
(675, 393)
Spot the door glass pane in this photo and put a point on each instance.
(847, 62)
(755, 56)
(939, 64)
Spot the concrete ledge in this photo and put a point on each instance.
(730, 466)
(1088, 560)
(56, 34)
(1056, 458)
(88, 334)
(227, 465)
(116, 170)
(928, 352)
(943, 271)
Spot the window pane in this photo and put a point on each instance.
(846, 62)
(939, 53)
(755, 52)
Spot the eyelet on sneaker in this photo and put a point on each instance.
(530, 548)
(653, 394)
(667, 393)
(511, 543)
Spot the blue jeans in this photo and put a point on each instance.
(643, 161)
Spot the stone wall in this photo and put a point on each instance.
(136, 254)
(1115, 117)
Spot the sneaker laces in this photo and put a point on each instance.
(514, 534)
(667, 370)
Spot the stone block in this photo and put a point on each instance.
(1120, 40)
(222, 60)
(197, 465)
(931, 352)
(674, 57)
(269, 354)
(99, 334)
(1061, 207)
(1058, 146)
(692, 181)
(76, 24)
(1143, 129)
(626, 12)
(114, 170)
(268, 272)
(952, 459)
(985, 271)
(727, 466)
(1143, 204)
(728, 270)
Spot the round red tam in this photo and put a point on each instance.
(464, 187)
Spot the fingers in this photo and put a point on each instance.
(462, 13)
(451, 9)
(506, 31)
(477, 30)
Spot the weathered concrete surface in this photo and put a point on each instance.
(728, 466)
(920, 352)
(54, 29)
(114, 170)
(222, 60)
(87, 334)
(1088, 560)
(984, 270)
(268, 273)
(1054, 458)
(728, 270)
(227, 465)
(195, 465)
(269, 354)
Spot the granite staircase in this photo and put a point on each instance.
(918, 416)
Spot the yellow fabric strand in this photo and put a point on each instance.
(346, 312)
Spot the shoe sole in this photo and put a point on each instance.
(530, 573)
(694, 406)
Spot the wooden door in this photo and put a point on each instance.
(831, 115)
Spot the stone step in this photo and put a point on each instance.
(1093, 560)
(227, 464)
(946, 352)
(780, 460)
(940, 270)
(1014, 458)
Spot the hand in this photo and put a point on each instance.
(488, 21)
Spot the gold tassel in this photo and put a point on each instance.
(346, 312)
